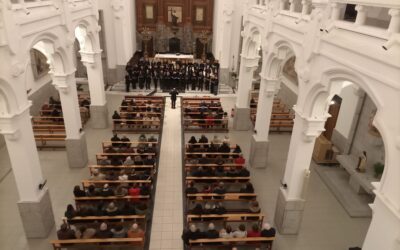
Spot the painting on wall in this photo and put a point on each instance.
(174, 14)
(40, 67)
(199, 15)
(149, 12)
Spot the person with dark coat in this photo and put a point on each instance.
(267, 230)
(70, 212)
(78, 192)
(198, 209)
(106, 191)
(104, 232)
(115, 138)
(173, 94)
(128, 82)
(190, 189)
(211, 233)
(65, 232)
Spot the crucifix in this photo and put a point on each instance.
(174, 18)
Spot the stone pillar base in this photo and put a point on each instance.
(37, 216)
(258, 152)
(288, 214)
(99, 116)
(77, 151)
(241, 120)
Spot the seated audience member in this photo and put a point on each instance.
(192, 140)
(115, 138)
(125, 139)
(106, 191)
(198, 209)
(97, 176)
(192, 234)
(237, 149)
(141, 209)
(70, 212)
(220, 189)
(65, 232)
(231, 172)
(226, 233)
(144, 189)
(247, 188)
(123, 176)
(219, 171)
(78, 192)
(127, 208)
(103, 232)
(85, 233)
(198, 172)
(211, 233)
(254, 232)
(118, 232)
(112, 209)
(135, 231)
(216, 140)
(128, 161)
(152, 138)
(191, 189)
(138, 160)
(243, 172)
(206, 189)
(219, 209)
(254, 207)
(240, 160)
(203, 139)
(116, 116)
(267, 230)
(224, 148)
(142, 138)
(149, 160)
(115, 161)
(134, 190)
(204, 159)
(226, 140)
(91, 191)
(121, 191)
(241, 232)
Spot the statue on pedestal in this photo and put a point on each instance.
(362, 162)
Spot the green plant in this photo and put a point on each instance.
(378, 169)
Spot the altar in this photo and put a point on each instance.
(174, 57)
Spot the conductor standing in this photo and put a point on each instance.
(173, 94)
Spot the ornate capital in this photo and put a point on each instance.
(250, 62)
(61, 81)
(271, 85)
(312, 126)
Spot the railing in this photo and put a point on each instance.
(378, 18)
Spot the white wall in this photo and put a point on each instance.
(348, 109)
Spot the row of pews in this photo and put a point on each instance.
(221, 207)
(203, 114)
(48, 126)
(282, 117)
(113, 207)
(139, 114)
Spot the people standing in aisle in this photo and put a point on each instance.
(148, 79)
(128, 81)
(174, 93)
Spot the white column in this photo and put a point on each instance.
(337, 9)
(259, 144)
(361, 14)
(306, 7)
(282, 4)
(34, 203)
(292, 5)
(76, 140)
(394, 26)
(291, 198)
(241, 119)
(98, 107)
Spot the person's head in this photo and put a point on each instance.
(119, 227)
(64, 227)
(254, 204)
(207, 206)
(190, 184)
(77, 188)
(91, 188)
(192, 228)
(266, 226)
(103, 226)
(221, 184)
(255, 228)
(242, 227)
(129, 158)
(111, 206)
(105, 186)
(95, 172)
(211, 226)
(135, 227)
(115, 112)
(70, 207)
(228, 229)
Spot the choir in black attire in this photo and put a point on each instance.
(180, 75)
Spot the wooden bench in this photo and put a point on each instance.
(233, 217)
(213, 165)
(135, 126)
(108, 167)
(216, 178)
(59, 244)
(104, 218)
(43, 140)
(225, 197)
(210, 153)
(224, 242)
(87, 183)
(101, 198)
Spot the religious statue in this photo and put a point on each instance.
(362, 162)
(174, 18)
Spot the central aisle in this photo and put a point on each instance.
(167, 222)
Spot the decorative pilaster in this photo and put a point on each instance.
(259, 143)
(241, 119)
(291, 199)
(76, 140)
(36, 211)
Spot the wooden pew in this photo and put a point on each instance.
(43, 140)
(233, 217)
(105, 218)
(135, 126)
(224, 242)
(101, 198)
(216, 178)
(60, 244)
(108, 167)
(207, 197)
(87, 183)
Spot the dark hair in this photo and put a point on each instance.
(255, 227)
(70, 207)
(228, 229)
(119, 227)
(242, 227)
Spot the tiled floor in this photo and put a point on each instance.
(167, 216)
(325, 226)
